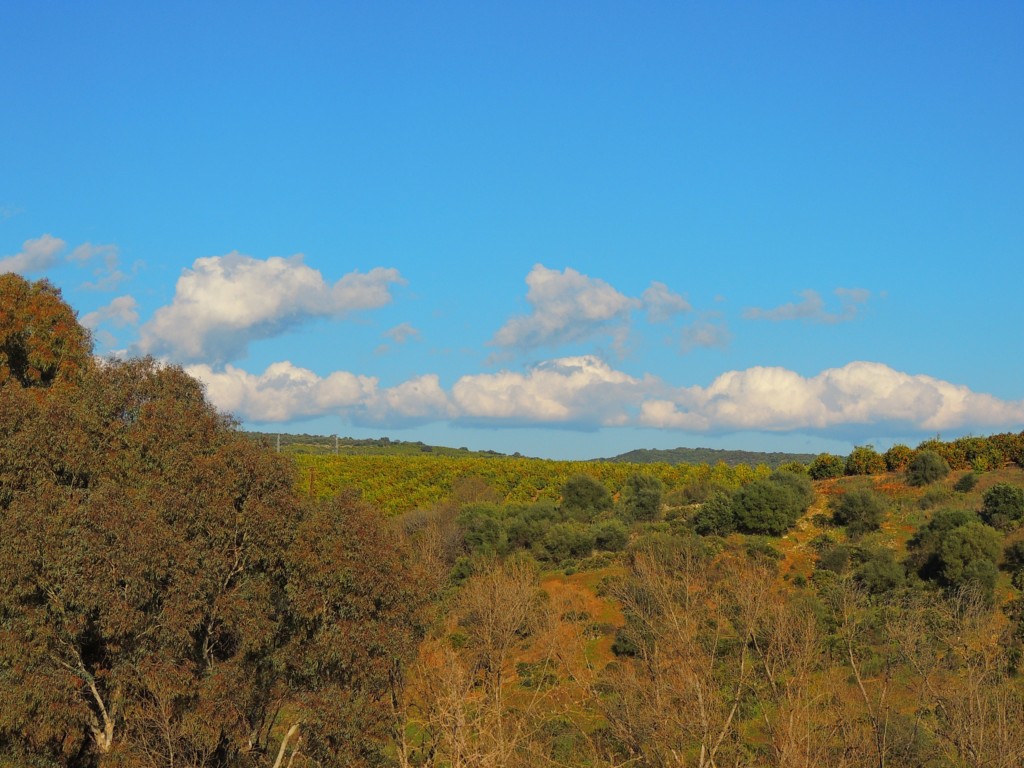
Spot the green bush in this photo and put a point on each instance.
(966, 483)
(716, 516)
(860, 510)
(771, 506)
(968, 556)
(926, 468)
(583, 497)
(567, 540)
(1003, 506)
(611, 535)
(879, 572)
(641, 497)
(897, 457)
(827, 465)
(864, 460)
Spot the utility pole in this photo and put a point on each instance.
(278, 442)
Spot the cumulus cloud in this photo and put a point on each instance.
(283, 392)
(36, 255)
(566, 306)
(120, 312)
(582, 391)
(662, 304)
(776, 399)
(224, 302)
(586, 393)
(812, 308)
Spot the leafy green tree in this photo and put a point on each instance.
(879, 572)
(773, 505)
(716, 516)
(861, 510)
(897, 457)
(826, 466)
(924, 546)
(641, 497)
(926, 467)
(611, 535)
(567, 540)
(583, 497)
(864, 460)
(483, 530)
(968, 555)
(41, 342)
(1003, 505)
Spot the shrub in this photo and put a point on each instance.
(1003, 505)
(641, 497)
(860, 510)
(968, 556)
(611, 535)
(879, 571)
(565, 540)
(583, 497)
(897, 457)
(864, 460)
(769, 506)
(925, 468)
(966, 483)
(835, 559)
(1013, 557)
(827, 465)
(716, 516)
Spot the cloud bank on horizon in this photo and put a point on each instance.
(222, 305)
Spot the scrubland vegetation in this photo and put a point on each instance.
(173, 593)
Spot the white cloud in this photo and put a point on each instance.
(567, 306)
(224, 302)
(662, 304)
(583, 391)
(36, 255)
(776, 399)
(120, 312)
(586, 393)
(283, 391)
(417, 400)
(812, 308)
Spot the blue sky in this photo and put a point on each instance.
(563, 229)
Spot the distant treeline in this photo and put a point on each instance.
(709, 456)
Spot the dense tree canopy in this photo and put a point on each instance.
(40, 339)
(163, 592)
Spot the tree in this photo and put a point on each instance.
(41, 342)
(968, 555)
(864, 460)
(773, 505)
(897, 457)
(716, 515)
(583, 497)
(641, 497)
(926, 468)
(860, 510)
(826, 466)
(1003, 505)
(163, 591)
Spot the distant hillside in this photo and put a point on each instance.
(709, 456)
(319, 445)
